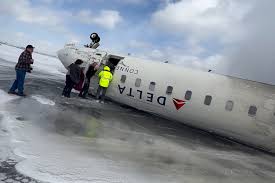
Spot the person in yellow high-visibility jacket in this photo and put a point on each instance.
(105, 77)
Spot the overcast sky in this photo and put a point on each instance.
(233, 37)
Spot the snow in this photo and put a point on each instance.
(42, 63)
(55, 159)
(5, 151)
(5, 97)
(43, 100)
(105, 158)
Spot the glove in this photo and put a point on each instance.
(30, 70)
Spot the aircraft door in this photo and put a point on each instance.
(106, 60)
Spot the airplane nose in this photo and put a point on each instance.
(60, 54)
(66, 56)
(62, 57)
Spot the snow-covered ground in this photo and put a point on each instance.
(79, 141)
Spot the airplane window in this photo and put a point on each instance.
(252, 111)
(188, 95)
(138, 82)
(169, 90)
(208, 100)
(152, 86)
(123, 78)
(229, 105)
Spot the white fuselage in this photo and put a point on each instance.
(238, 109)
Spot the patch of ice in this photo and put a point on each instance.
(43, 100)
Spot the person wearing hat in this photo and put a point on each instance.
(105, 77)
(22, 67)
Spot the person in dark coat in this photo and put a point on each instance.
(72, 77)
(22, 67)
(89, 74)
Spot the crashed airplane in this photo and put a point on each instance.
(238, 109)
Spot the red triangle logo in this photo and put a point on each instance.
(178, 103)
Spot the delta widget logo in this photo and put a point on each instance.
(178, 103)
